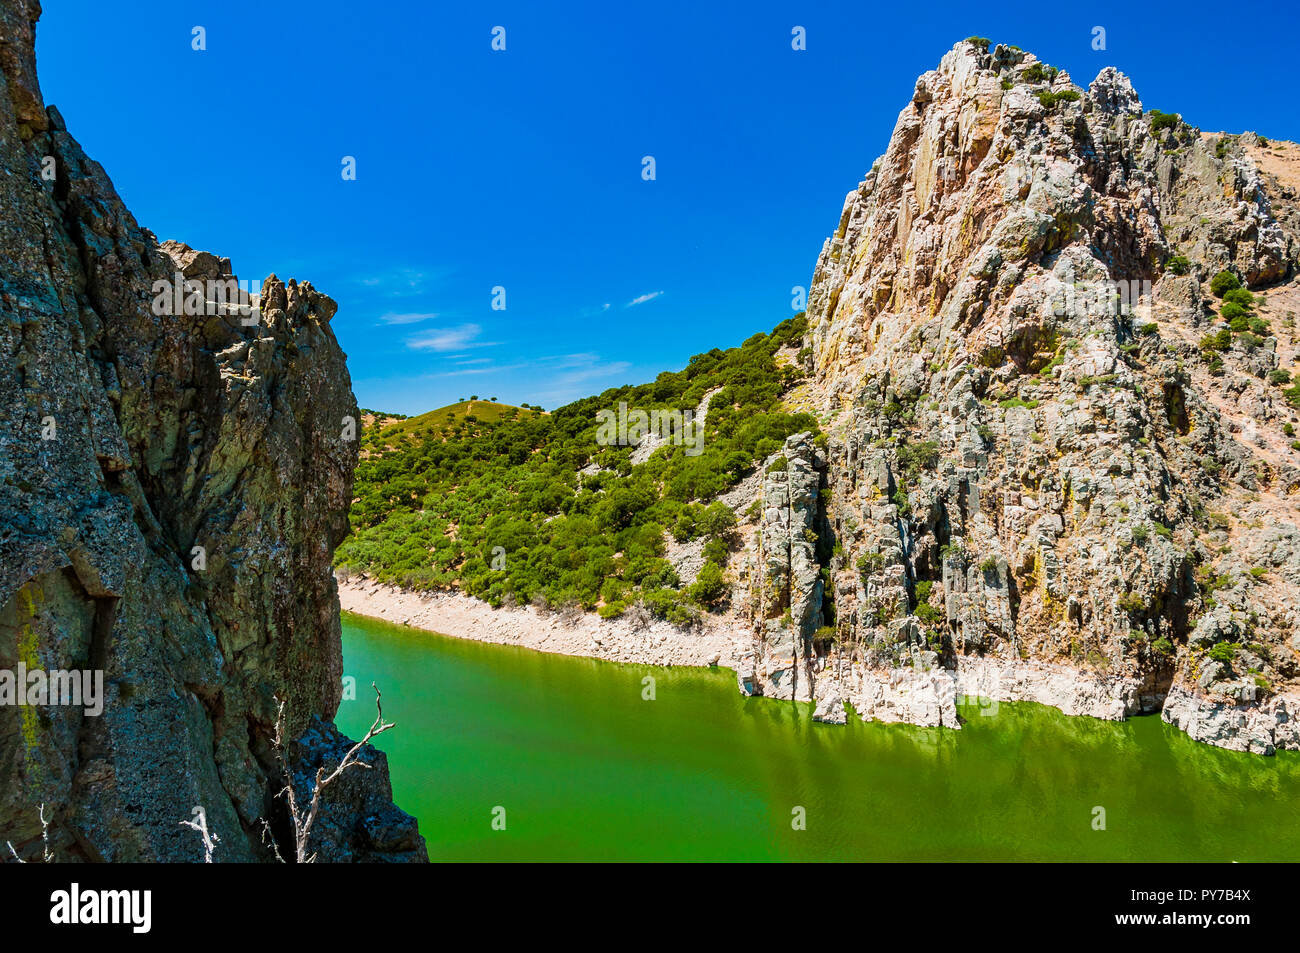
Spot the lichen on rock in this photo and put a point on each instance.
(128, 438)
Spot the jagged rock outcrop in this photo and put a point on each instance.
(1060, 467)
(789, 587)
(172, 487)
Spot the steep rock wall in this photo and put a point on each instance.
(1035, 465)
(127, 439)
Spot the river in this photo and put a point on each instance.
(570, 757)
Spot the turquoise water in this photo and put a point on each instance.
(585, 769)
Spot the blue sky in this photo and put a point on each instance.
(522, 168)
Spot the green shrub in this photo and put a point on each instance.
(1178, 265)
(1239, 296)
(1161, 120)
(979, 41)
(1132, 603)
(1224, 282)
(1225, 652)
(915, 457)
(1231, 311)
(869, 563)
(718, 519)
(709, 587)
(899, 498)
(1050, 99)
(715, 551)
(928, 614)
(612, 610)
(1162, 646)
(1287, 429)
(989, 564)
(1219, 341)
(1039, 73)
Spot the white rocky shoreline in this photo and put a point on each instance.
(905, 695)
(615, 640)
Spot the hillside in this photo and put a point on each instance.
(382, 433)
(517, 506)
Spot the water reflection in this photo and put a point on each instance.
(589, 769)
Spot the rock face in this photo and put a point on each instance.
(1055, 471)
(789, 589)
(172, 487)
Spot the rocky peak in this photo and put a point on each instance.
(1112, 92)
(1036, 439)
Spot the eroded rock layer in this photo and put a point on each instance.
(1060, 467)
(127, 439)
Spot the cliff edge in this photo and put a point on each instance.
(173, 482)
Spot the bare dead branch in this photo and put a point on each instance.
(200, 824)
(268, 840)
(48, 855)
(302, 823)
(45, 835)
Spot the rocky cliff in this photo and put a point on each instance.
(174, 482)
(1061, 463)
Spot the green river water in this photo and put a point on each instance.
(585, 769)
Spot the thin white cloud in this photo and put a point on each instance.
(642, 299)
(575, 371)
(403, 281)
(581, 357)
(407, 318)
(564, 371)
(599, 309)
(444, 340)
